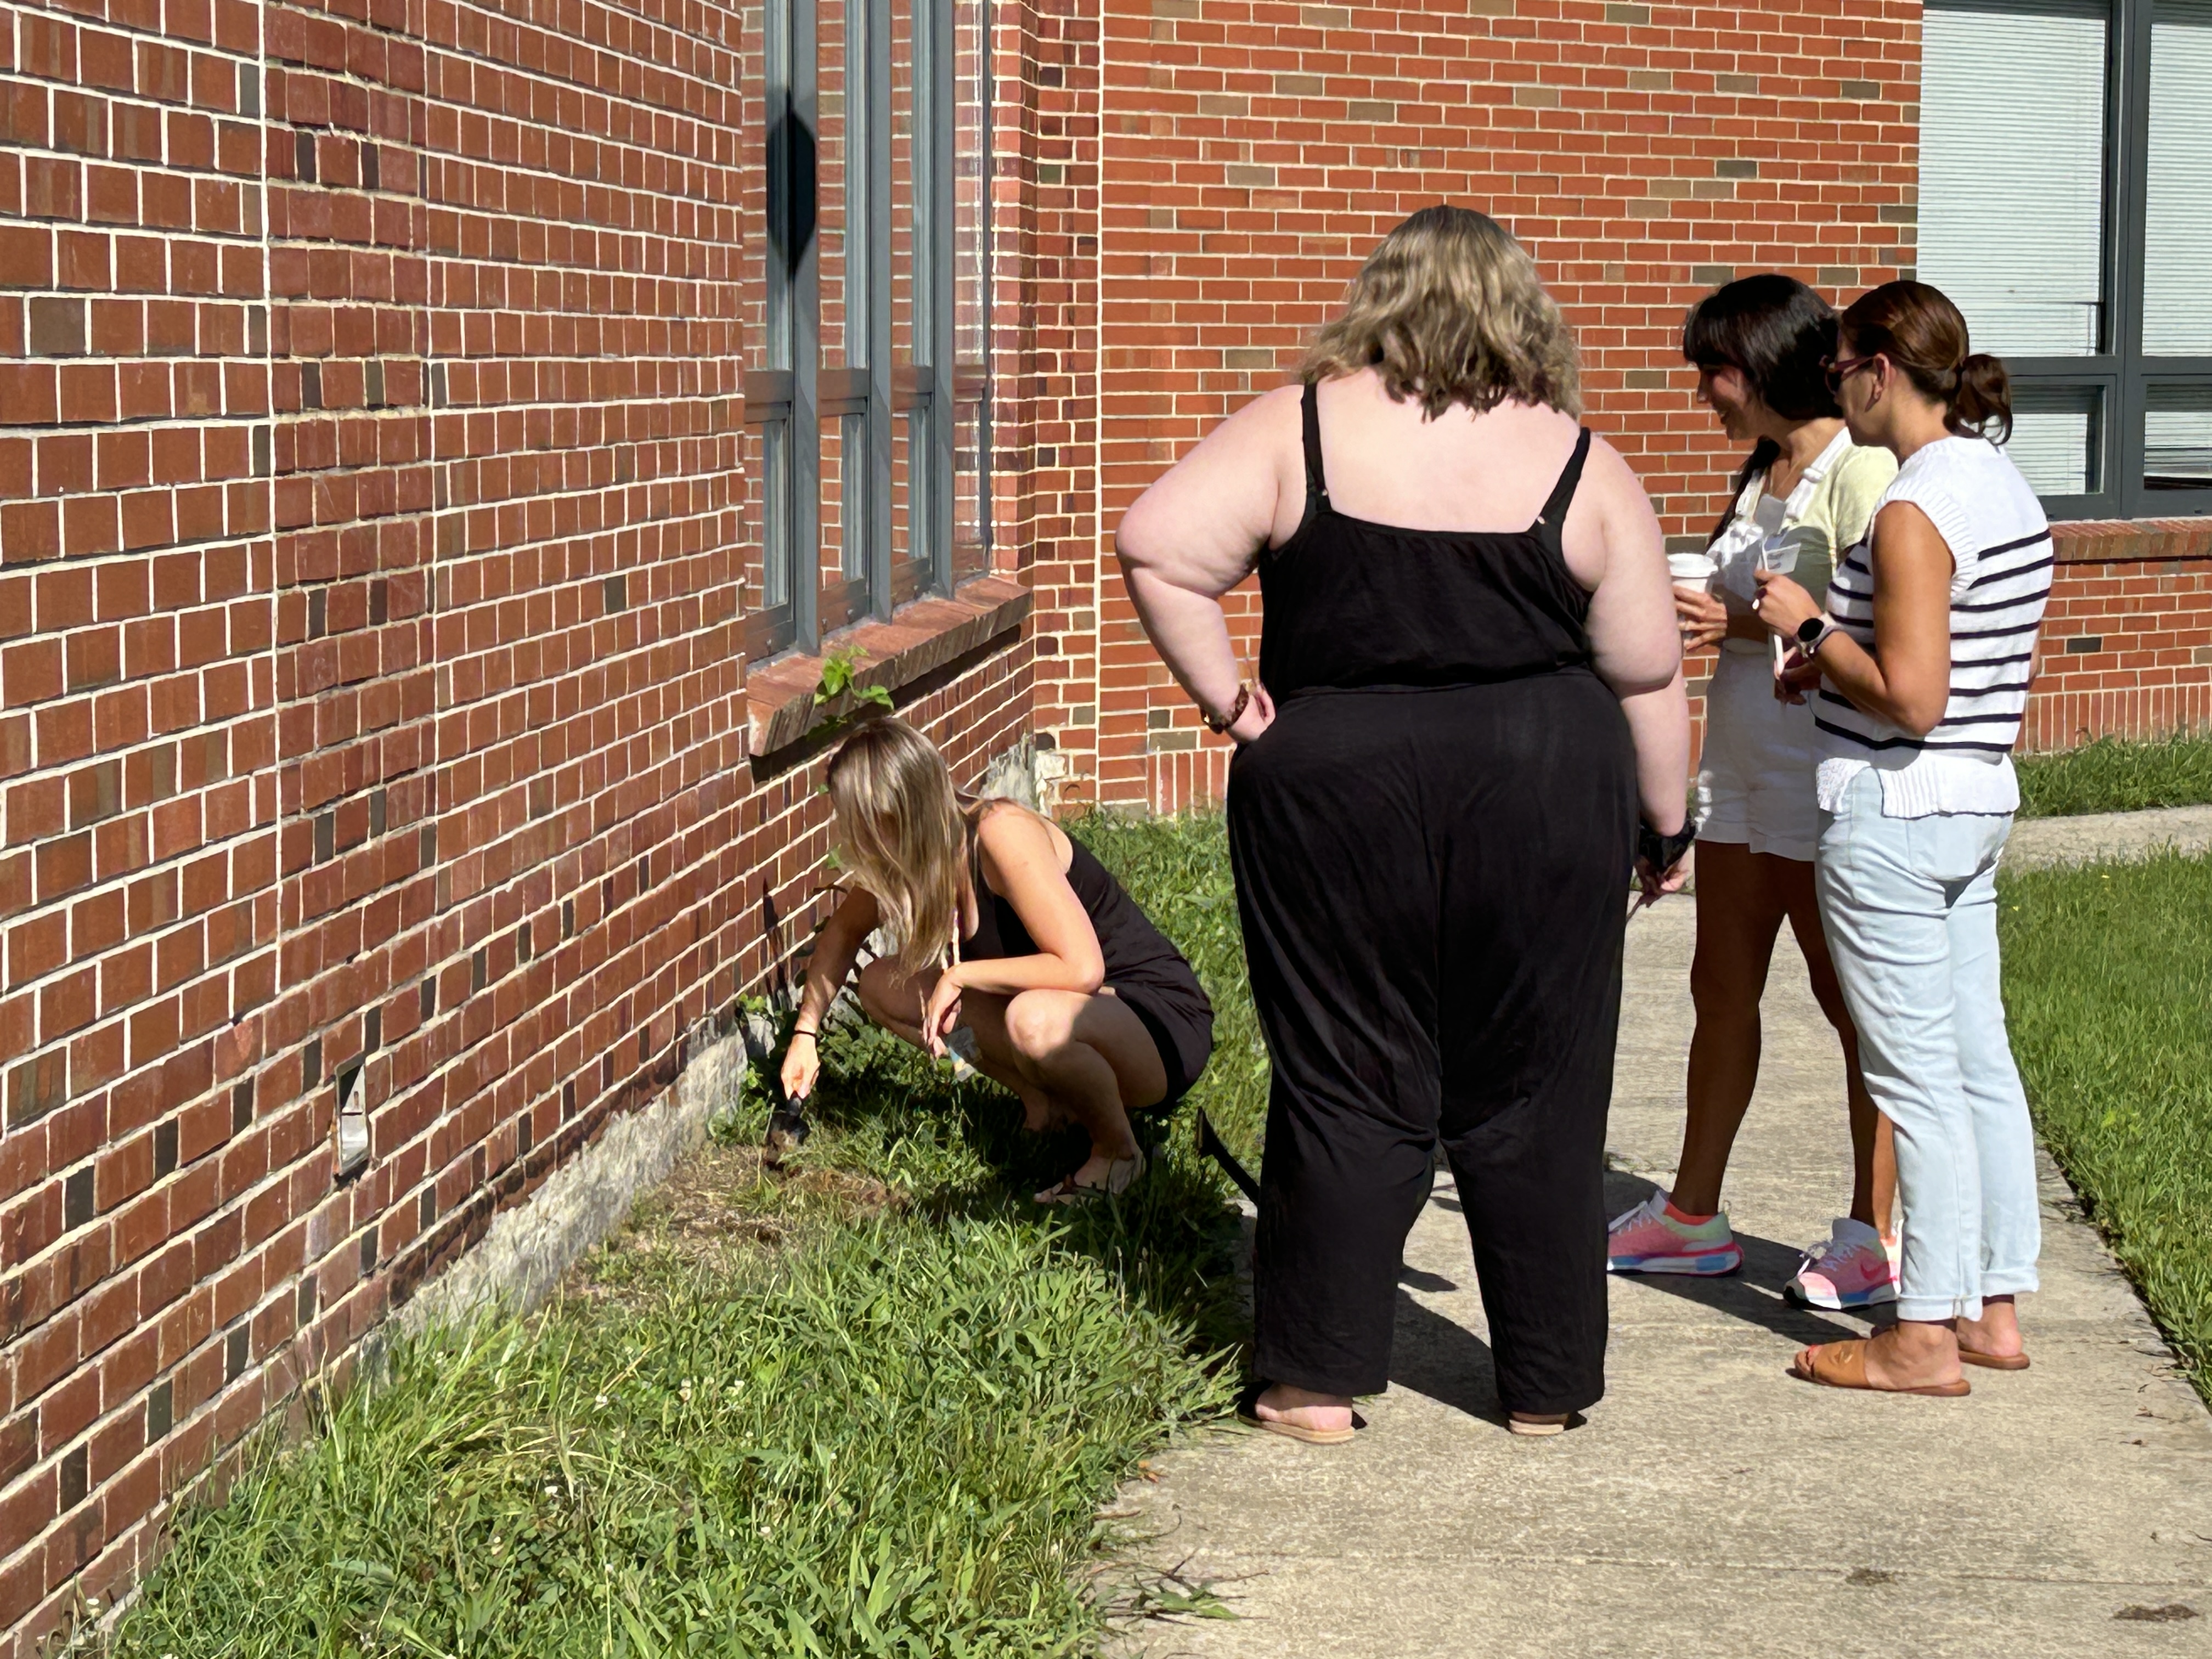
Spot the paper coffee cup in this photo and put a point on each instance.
(1694, 573)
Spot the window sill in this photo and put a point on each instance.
(919, 639)
(2128, 540)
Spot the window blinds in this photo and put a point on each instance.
(2012, 171)
(2177, 206)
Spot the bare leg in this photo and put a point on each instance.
(1092, 1056)
(895, 1004)
(1738, 918)
(1066, 1055)
(1873, 1151)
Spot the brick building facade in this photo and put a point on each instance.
(382, 519)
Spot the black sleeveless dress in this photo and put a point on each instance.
(1143, 969)
(1432, 846)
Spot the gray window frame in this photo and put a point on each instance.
(2120, 373)
(791, 397)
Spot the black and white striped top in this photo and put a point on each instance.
(2002, 555)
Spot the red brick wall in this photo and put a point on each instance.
(2127, 645)
(371, 535)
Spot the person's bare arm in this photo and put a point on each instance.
(1632, 627)
(835, 947)
(1021, 862)
(1196, 534)
(1906, 679)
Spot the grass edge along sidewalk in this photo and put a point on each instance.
(2116, 775)
(2108, 982)
(871, 1406)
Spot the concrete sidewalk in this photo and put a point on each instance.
(1712, 1506)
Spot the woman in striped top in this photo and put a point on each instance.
(1918, 668)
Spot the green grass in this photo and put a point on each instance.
(871, 1406)
(2113, 776)
(2108, 982)
(1179, 872)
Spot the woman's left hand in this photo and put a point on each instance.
(1781, 604)
(1654, 886)
(942, 1013)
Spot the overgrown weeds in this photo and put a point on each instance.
(869, 1403)
(2108, 979)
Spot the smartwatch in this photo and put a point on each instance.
(1811, 632)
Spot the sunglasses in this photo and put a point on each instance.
(1839, 369)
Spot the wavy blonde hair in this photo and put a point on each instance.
(1449, 309)
(900, 832)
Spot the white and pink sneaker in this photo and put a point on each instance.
(1648, 1240)
(1850, 1268)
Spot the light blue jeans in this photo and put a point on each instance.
(1910, 908)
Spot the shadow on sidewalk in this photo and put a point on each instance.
(1440, 1358)
(1752, 1294)
(1437, 1358)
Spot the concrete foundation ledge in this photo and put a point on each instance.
(527, 1250)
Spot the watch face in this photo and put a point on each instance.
(1810, 629)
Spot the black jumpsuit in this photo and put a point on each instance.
(1432, 846)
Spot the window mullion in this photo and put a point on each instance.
(2131, 144)
(873, 259)
(803, 520)
(933, 243)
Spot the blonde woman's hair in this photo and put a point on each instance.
(900, 833)
(1449, 309)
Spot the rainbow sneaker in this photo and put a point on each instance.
(1647, 1240)
(1850, 1268)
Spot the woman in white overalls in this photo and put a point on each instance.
(1760, 345)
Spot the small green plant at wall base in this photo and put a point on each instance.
(838, 668)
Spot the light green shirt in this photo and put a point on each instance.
(1838, 518)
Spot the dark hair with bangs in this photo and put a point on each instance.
(1775, 331)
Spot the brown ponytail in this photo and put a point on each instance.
(1923, 336)
(1983, 402)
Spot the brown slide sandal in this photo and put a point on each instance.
(1843, 1365)
(1993, 1362)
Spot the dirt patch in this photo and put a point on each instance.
(722, 1210)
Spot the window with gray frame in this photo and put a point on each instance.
(2066, 206)
(866, 268)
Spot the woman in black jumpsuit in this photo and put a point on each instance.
(1432, 845)
(1433, 841)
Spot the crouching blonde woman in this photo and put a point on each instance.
(1008, 926)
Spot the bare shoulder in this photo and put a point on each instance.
(1272, 412)
(1608, 476)
(1011, 835)
(1611, 518)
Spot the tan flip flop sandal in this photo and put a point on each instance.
(1843, 1365)
(1535, 1430)
(1249, 1414)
